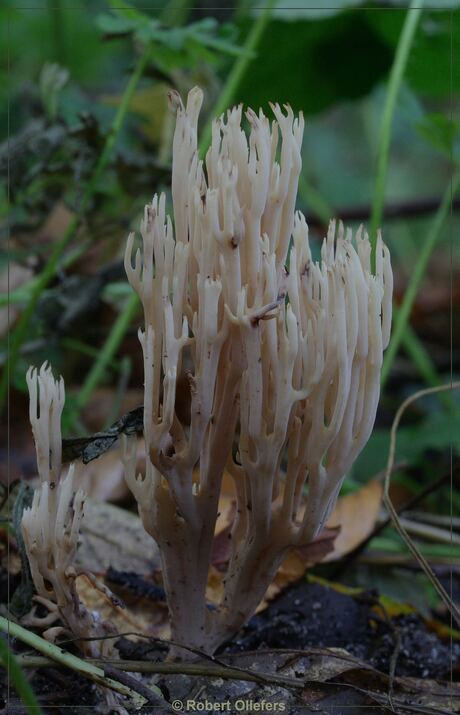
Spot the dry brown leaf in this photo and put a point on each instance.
(356, 514)
(298, 561)
(332, 543)
(123, 619)
(294, 566)
(115, 537)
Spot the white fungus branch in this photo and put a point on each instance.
(283, 356)
(51, 526)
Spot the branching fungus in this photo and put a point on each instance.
(51, 526)
(282, 354)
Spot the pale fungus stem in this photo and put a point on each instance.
(279, 364)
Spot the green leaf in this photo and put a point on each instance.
(115, 24)
(443, 133)
(128, 12)
(292, 10)
(205, 35)
(437, 431)
(173, 46)
(430, 63)
(313, 65)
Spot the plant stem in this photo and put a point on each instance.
(430, 532)
(415, 551)
(237, 73)
(429, 489)
(212, 670)
(109, 349)
(63, 657)
(18, 680)
(88, 350)
(394, 84)
(421, 359)
(49, 270)
(399, 333)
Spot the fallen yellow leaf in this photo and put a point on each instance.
(356, 514)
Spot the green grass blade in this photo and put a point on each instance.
(402, 315)
(394, 84)
(109, 349)
(19, 680)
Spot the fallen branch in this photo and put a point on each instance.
(391, 212)
(223, 671)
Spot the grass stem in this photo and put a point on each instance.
(63, 657)
(402, 315)
(19, 680)
(394, 84)
(110, 347)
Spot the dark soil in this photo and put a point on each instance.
(311, 615)
(306, 615)
(59, 692)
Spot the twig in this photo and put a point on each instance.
(393, 662)
(63, 657)
(137, 686)
(225, 672)
(447, 600)
(215, 661)
(89, 448)
(427, 531)
(413, 501)
(319, 219)
(384, 700)
(436, 519)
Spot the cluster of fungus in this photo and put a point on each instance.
(282, 356)
(51, 529)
